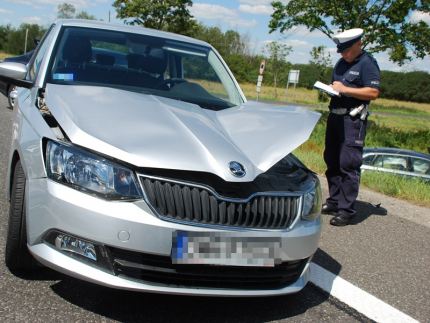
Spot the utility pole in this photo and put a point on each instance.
(26, 37)
(109, 15)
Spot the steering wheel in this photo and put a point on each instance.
(170, 83)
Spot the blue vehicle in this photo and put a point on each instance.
(397, 161)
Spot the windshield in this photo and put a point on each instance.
(141, 63)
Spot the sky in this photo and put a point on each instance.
(248, 17)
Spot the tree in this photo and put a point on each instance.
(85, 15)
(277, 53)
(169, 15)
(16, 38)
(227, 43)
(4, 33)
(386, 23)
(66, 11)
(321, 59)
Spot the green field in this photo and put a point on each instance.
(392, 124)
(3, 55)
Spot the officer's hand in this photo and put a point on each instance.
(338, 86)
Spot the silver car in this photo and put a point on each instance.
(137, 163)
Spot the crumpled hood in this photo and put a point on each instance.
(152, 131)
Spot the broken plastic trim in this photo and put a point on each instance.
(49, 118)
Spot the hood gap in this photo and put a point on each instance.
(49, 118)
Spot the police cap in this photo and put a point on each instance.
(347, 38)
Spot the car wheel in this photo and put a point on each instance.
(10, 100)
(17, 256)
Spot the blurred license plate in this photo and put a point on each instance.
(226, 250)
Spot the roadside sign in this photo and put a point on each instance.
(262, 66)
(293, 77)
(260, 77)
(259, 81)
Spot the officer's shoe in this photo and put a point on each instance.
(341, 219)
(328, 209)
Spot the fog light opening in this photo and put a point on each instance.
(75, 245)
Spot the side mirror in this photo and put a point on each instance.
(14, 73)
(13, 70)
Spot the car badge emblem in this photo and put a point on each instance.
(236, 169)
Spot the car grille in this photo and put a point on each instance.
(193, 203)
(160, 269)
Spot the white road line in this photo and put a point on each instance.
(355, 297)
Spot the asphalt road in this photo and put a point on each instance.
(386, 253)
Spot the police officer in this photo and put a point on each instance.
(356, 77)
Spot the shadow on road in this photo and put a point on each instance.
(128, 306)
(365, 210)
(327, 262)
(39, 274)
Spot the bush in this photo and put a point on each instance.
(15, 43)
(412, 86)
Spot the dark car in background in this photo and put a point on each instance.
(7, 88)
(397, 161)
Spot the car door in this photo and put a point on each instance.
(421, 168)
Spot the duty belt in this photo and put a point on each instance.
(360, 111)
(340, 111)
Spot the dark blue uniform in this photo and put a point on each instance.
(345, 135)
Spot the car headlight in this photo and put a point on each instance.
(312, 203)
(90, 173)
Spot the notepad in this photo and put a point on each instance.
(326, 88)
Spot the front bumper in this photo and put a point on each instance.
(132, 227)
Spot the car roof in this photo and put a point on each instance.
(130, 29)
(397, 151)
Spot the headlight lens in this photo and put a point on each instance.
(312, 203)
(90, 173)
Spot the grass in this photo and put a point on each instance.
(298, 95)
(3, 55)
(387, 103)
(410, 189)
(310, 97)
(402, 123)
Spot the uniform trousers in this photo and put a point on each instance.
(343, 155)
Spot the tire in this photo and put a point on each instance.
(9, 99)
(17, 256)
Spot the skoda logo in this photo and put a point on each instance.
(236, 169)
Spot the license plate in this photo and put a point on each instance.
(225, 249)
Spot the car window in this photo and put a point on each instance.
(35, 65)
(420, 166)
(368, 160)
(142, 63)
(395, 162)
(197, 70)
(378, 161)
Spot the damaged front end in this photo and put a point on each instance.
(275, 198)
